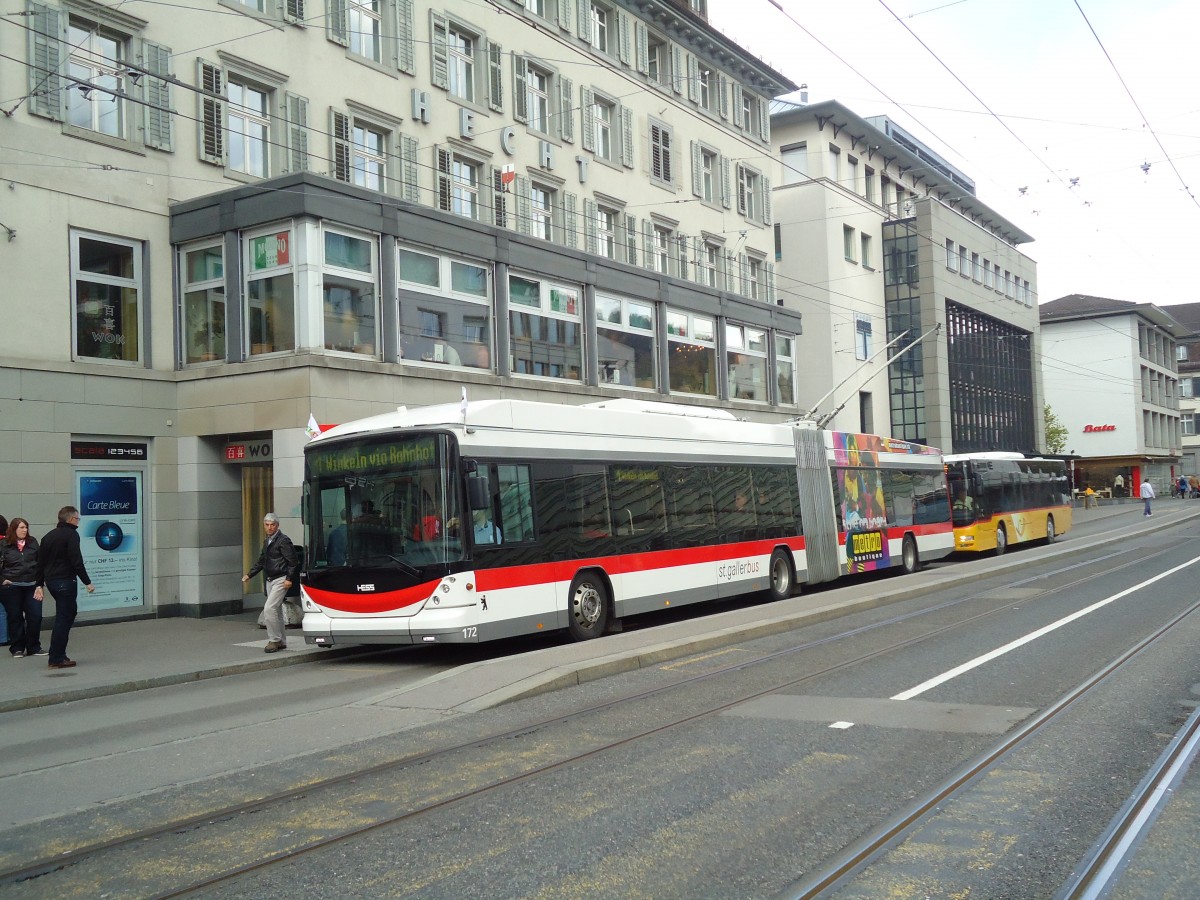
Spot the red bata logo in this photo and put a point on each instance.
(1090, 428)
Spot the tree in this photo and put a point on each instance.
(1056, 431)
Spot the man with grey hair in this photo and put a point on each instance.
(279, 564)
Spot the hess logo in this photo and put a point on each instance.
(365, 587)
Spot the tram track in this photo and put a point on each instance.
(1097, 871)
(342, 790)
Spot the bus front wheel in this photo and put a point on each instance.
(1001, 540)
(1051, 536)
(783, 581)
(909, 556)
(587, 615)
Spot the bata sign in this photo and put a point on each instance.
(1089, 429)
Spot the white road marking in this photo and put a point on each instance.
(1032, 636)
(842, 725)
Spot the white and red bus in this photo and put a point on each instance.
(472, 522)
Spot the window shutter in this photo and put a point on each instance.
(693, 66)
(566, 118)
(499, 200)
(726, 199)
(624, 48)
(408, 162)
(737, 106)
(697, 166)
(156, 59)
(591, 212)
(587, 101)
(569, 220)
(627, 137)
(647, 244)
(766, 199)
(335, 12)
(443, 180)
(681, 244)
(771, 298)
(764, 119)
(524, 213)
(495, 77)
(406, 57)
(520, 89)
(698, 257)
(297, 132)
(641, 43)
(293, 11)
(211, 100)
(677, 69)
(631, 230)
(741, 190)
(744, 275)
(584, 11)
(45, 50)
(440, 76)
(723, 95)
(564, 14)
(339, 131)
(660, 153)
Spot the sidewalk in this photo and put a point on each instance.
(130, 656)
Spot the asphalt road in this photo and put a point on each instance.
(742, 783)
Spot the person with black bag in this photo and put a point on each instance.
(280, 565)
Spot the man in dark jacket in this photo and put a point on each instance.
(60, 562)
(279, 564)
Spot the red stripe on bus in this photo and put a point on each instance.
(372, 603)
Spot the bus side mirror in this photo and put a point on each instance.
(477, 492)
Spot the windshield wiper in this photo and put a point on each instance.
(404, 567)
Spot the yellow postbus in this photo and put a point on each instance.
(998, 499)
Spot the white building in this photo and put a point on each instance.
(1111, 377)
(334, 208)
(877, 235)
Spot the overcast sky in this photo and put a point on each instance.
(1020, 94)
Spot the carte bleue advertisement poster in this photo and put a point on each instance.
(110, 534)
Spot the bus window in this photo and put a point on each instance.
(733, 494)
(516, 503)
(901, 498)
(637, 500)
(774, 490)
(692, 518)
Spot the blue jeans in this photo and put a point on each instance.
(24, 615)
(66, 605)
(1146, 512)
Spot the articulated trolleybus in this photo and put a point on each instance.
(1001, 498)
(471, 522)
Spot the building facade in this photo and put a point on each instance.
(1111, 374)
(877, 237)
(336, 208)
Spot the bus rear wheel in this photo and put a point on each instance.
(1001, 540)
(783, 580)
(1051, 537)
(909, 556)
(588, 610)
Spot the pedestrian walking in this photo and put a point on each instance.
(1147, 493)
(279, 564)
(59, 564)
(19, 590)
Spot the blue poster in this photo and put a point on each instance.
(110, 534)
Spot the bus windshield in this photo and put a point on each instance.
(962, 494)
(382, 502)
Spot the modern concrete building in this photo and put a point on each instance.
(1111, 378)
(226, 216)
(876, 236)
